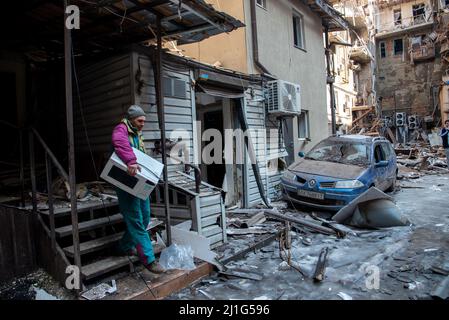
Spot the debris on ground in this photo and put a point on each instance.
(100, 291)
(372, 209)
(37, 285)
(441, 291)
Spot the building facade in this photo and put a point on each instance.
(282, 39)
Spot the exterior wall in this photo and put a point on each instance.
(229, 48)
(305, 67)
(109, 87)
(104, 85)
(179, 113)
(255, 115)
(404, 87)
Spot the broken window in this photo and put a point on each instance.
(303, 125)
(383, 51)
(386, 150)
(397, 17)
(298, 30)
(446, 3)
(262, 3)
(398, 47)
(418, 13)
(346, 152)
(379, 154)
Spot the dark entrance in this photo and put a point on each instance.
(215, 172)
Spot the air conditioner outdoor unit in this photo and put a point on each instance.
(400, 119)
(388, 121)
(412, 122)
(283, 98)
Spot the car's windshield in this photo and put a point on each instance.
(346, 152)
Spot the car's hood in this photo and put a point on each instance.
(329, 169)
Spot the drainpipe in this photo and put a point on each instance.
(255, 43)
(330, 81)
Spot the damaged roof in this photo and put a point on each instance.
(110, 24)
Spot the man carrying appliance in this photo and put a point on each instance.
(135, 211)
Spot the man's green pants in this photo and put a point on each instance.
(136, 214)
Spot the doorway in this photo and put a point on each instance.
(220, 114)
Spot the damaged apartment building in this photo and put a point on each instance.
(409, 69)
(403, 70)
(352, 68)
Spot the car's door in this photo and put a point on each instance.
(380, 172)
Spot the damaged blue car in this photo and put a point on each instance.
(338, 169)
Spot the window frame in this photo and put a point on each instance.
(297, 15)
(384, 44)
(394, 47)
(417, 7)
(397, 22)
(307, 125)
(262, 4)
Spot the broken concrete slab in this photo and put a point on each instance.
(372, 209)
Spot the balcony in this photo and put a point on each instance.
(422, 52)
(404, 25)
(359, 54)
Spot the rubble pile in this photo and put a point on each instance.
(418, 159)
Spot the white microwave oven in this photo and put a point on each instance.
(143, 183)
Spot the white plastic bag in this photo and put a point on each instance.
(177, 257)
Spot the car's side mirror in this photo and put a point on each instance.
(381, 164)
(301, 154)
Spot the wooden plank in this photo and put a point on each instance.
(170, 283)
(95, 245)
(83, 207)
(209, 210)
(106, 265)
(89, 225)
(211, 231)
(360, 108)
(210, 220)
(210, 200)
(362, 116)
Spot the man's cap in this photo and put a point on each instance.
(135, 111)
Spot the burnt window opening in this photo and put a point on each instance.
(174, 88)
(383, 50)
(397, 15)
(419, 13)
(398, 47)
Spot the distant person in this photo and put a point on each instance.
(444, 134)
